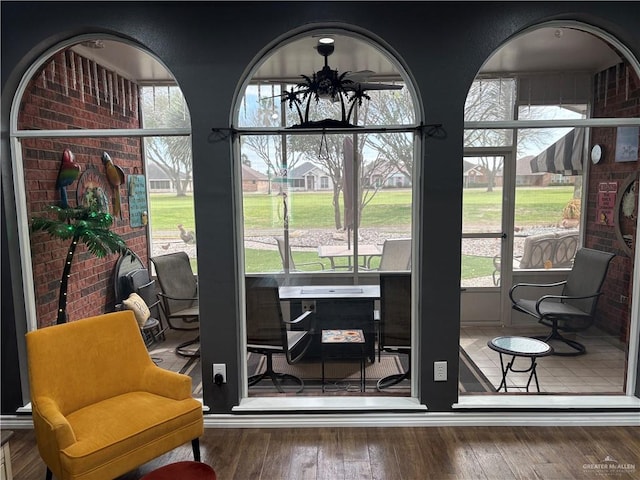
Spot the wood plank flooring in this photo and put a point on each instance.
(416, 453)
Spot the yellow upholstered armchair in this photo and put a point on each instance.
(101, 407)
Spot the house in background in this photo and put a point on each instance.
(473, 175)
(160, 182)
(525, 177)
(384, 174)
(309, 178)
(254, 181)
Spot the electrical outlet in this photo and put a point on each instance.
(439, 371)
(308, 305)
(220, 369)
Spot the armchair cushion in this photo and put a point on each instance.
(139, 307)
(109, 432)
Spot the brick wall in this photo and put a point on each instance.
(616, 94)
(63, 95)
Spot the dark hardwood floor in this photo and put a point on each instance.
(400, 453)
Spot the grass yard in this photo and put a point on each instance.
(534, 206)
(258, 260)
(388, 208)
(391, 208)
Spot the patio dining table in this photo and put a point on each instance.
(367, 252)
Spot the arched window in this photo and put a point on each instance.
(533, 196)
(329, 133)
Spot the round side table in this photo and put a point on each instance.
(519, 347)
(187, 470)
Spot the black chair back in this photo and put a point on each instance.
(395, 311)
(264, 313)
(140, 283)
(176, 280)
(586, 278)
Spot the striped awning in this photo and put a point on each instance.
(565, 156)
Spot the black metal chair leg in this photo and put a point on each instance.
(555, 334)
(391, 380)
(48, 475)
(277, 379)
(195, 445)
(183, 351)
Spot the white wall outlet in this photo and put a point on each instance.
(439, 371)
(220, 369)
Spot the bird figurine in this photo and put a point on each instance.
(188, 237)
(115, 176)
(68, 173)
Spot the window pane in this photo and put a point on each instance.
(163, 107)
(490, 99)
(260, 106)
(488, 138)
(387, 107)
(310, 201)
(168, 169)
(548, 194)
(482, 194)
(547, 220)
(480, 262)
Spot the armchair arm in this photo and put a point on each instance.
(165, 383)
(537, 285)
(299, 318)
(176, 298)
(52, 419)
(562, 298)
(312, 325)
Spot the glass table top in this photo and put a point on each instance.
(520, 346)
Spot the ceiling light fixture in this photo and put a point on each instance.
(329, 84)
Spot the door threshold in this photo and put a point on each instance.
(329, 404)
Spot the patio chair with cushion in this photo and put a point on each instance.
(396, 255)
(179, 295)
(543, 251)
(286, 253)
(268, 333)
(574, 309)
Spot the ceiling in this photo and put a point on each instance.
(542, 50)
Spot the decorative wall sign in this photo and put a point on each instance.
(93, 190)
(627, 144)
(607, 192)
(137, 187)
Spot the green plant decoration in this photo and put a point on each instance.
(80, 225)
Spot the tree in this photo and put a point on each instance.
(494, 99)
(166, 108)
(393, 107)
(80, 225)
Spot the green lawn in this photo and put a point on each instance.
(392, 208)
(388, 208)
(534, 206)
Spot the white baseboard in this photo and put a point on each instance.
(417, 419)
